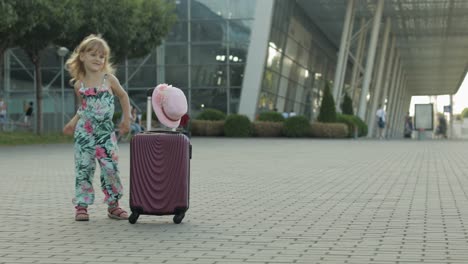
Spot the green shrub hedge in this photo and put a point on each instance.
(271, 117)
(349, 121)
(211, 114)
(237, 126)
(296, 126)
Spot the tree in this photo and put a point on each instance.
(133, 28)
(8, 32)
(327, 109)
(464, 113)
(347, 105)
(42, 21)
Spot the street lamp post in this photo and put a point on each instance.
(62, 52)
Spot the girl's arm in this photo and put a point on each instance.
(124, 103)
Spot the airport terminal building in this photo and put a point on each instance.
(249, 56)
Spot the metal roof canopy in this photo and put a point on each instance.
(431, 37)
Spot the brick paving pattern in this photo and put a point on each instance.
(253, 201)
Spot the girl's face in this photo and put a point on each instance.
(93, 60)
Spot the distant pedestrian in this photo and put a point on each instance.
(381, 120)
(28, 114)
(3, 114)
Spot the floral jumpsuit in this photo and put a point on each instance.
(95, 139)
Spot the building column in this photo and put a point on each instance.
(389, 71)
(370, 60)
(378, 85)
(256, 57)
(357, 64)
(398, 98)
(343, 52)
(393, 93)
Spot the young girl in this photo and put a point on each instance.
(94, 82)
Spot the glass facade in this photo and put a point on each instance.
(300, 59)
(205, 54)
(206, 51)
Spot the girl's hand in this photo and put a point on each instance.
(68, 129)
(124, 126)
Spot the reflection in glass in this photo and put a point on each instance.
(239, 30)
(177, 75)
(176, 54)
(209, 54)
(209, 30)
(209, 75)
(209, 9)
(235, 94)
(266, 102)
(209, 98)
(178, 32)
(237, 75)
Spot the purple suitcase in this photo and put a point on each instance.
(159, 172)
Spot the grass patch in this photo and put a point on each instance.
(27, 138)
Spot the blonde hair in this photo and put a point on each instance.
(91, 43)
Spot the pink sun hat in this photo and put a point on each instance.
(169, 104)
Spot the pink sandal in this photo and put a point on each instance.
(81, 214)
(117, 213)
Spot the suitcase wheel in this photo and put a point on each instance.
(133, 218)
(178, 218)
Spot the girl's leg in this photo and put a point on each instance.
(107, 155)
(85, 165)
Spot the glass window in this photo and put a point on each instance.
(292, 48)
(176, 54)
(237, 74)
(235, 94)
(274, 58)
(178, 33)
(177, 75)
(205, 76)
(208, 30)
(181, 9)
(239, 30)
(242, 8)
(266, 102)
(209, 98)
(238, 52)
(209, 54)
(277, 39)
(145, 76)
(209, 9)
(270, 81)
(287, 66)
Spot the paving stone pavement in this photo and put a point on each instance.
(253, 201)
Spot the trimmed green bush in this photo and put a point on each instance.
(347, 105)
(362, 126)
(237, 126)
(327, 108)
(271, 117)
(349, 121)
(267, 129)
(296, 126)
(211, 114)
